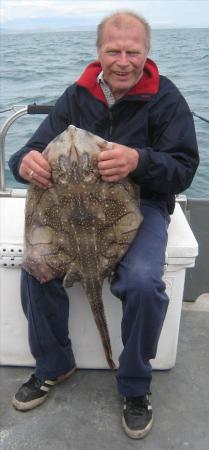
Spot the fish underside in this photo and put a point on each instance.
(80, 227)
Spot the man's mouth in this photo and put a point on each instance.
(122, 74)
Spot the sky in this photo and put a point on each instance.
(60, 14)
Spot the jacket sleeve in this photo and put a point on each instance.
(169, 164)
(55, 123)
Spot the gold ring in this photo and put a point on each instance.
(31, 173)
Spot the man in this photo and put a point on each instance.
(122, 98)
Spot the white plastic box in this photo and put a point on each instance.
(182, 250)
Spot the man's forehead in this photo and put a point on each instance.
(112, 34)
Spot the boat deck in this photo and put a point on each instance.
(84, 413)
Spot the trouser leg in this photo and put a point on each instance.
(138, 283)
(46, 307)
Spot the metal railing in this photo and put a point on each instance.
(19, 111)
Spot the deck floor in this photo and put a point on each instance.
(84, 413)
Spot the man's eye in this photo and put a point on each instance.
(113, 52)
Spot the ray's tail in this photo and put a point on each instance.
(95, 299)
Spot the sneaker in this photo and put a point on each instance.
(137, 417)
(34, 392)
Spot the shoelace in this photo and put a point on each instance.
(137, 405)
(33, 381)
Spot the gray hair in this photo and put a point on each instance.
(122, 19)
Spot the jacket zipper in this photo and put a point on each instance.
(111, 122)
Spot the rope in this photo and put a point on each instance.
(5, 110)
(201, 118)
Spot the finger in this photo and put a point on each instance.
(34, 164)
(107, 154)
(40, 181)
(39, 159)
(107, 164)
(40, 170)
(34, 171)
(30, 175)
(109, 172)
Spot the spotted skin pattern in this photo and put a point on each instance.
(79, 228)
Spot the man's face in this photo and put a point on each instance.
(122, 56)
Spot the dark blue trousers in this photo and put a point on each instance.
(137, 283)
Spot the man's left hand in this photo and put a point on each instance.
(117, 162)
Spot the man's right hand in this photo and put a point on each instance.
(35, 169)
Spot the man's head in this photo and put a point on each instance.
(123, 42)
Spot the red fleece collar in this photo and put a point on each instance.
(147, 85)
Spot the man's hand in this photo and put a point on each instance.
(116, 161)
(35, 169)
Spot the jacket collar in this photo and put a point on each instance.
(147, 86)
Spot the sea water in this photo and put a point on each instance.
(38, 67)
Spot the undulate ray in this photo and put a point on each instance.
(80, 227)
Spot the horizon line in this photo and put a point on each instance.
(92, 28)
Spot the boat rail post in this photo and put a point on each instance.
(21, 111)
(3, 132)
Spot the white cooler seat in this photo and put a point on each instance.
(182, 250)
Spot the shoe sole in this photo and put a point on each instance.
(137, 434)
(21, 406)
(64, 377)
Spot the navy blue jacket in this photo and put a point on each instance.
(153, 117)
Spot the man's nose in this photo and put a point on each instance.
(123, 59)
